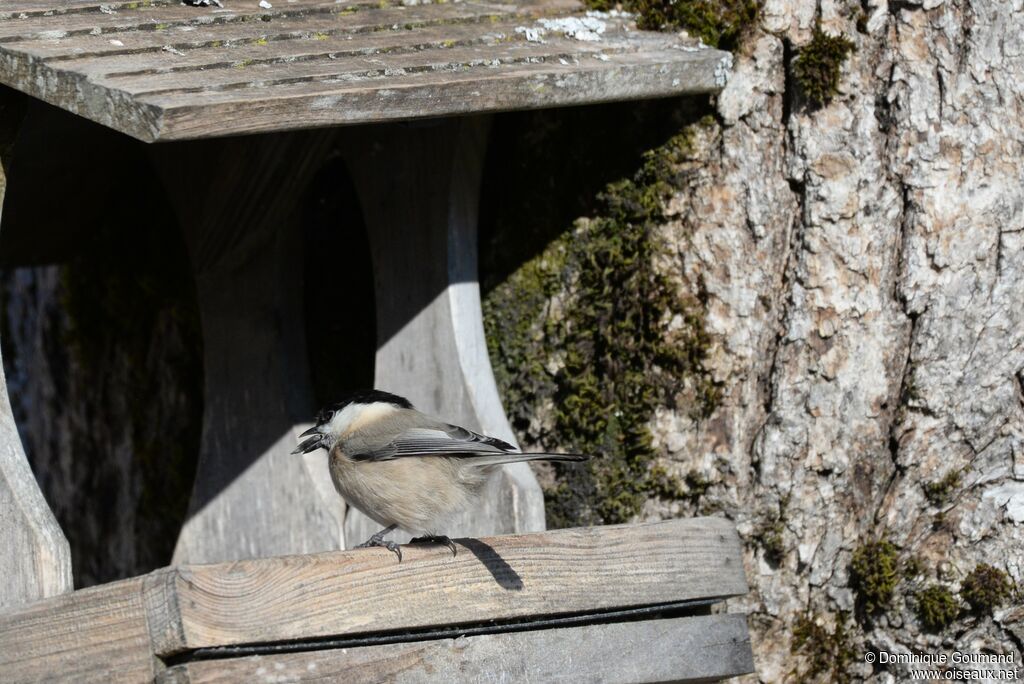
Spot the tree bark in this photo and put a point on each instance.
(864, 268)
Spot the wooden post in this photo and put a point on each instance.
(419, 184)
(238, 200)
(35, 559)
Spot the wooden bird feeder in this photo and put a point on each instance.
(257, 585)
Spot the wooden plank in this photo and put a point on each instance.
(94, 635)
(287, 49)
(194, 75)
(18, 8)
(427, 94)
(317, 27)
(167, 16)
(355, 68)
(35, 561)
(688, 649)
(496, 578)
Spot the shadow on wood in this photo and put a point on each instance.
(503, 573)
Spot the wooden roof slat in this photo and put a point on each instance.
(290, 50)
(138, 44)
(148, 71)
(371, 31)
(167, 17)
(17, 8)
(354, 68)
(493, 89)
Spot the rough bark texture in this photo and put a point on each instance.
(861, 266)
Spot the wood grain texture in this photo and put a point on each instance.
(124, 631)
(162, 71)
(366, 590)
(430, 338)
(689, 649)
(94, 635)
(35, 561)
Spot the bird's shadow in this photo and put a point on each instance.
(503, 573)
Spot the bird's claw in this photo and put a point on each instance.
(436, 539)
(384, 543)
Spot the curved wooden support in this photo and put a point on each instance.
(238, 200)
(35, 560)
(419, 185)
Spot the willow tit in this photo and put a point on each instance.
(403, 468)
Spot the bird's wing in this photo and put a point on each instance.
(443, 440)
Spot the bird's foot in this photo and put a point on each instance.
(379, 540)
(436, 539)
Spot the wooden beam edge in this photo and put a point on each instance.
(74, 93)
(362, 591)
(683, 649)
(377, 105)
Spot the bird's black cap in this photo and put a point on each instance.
(363, 396)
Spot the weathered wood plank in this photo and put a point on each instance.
(164, 17)
(112, 632)
(194, 36)
(17, 8)
(94, 635)
(35, 561)
(362, 591)
(269, 35)
(286, 49)
(357, 68)
(688, 649)
(410, 96)
(168, 72)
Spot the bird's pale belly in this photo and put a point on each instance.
(417, 494)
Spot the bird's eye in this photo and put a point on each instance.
(328, 416)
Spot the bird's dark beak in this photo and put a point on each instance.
(311, 444)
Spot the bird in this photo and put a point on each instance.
(406, 469)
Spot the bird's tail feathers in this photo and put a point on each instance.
(517, 457)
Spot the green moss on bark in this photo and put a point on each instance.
(818, 65)
(586, 328)
(828, 653)
(936, 607)
(986, 588)
(941, 492)
(874, 573)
